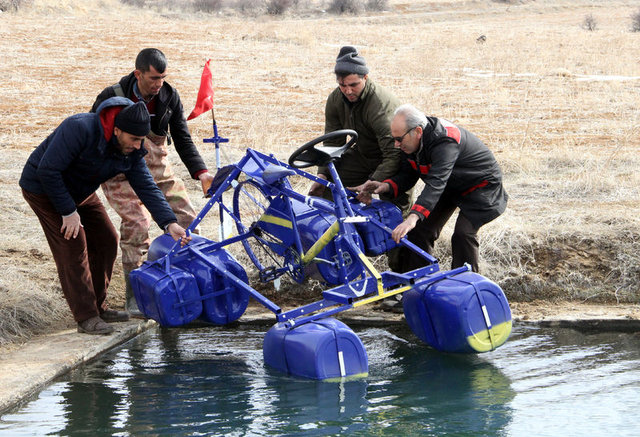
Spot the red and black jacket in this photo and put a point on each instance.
(454, 163)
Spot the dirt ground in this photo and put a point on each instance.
(556, 103)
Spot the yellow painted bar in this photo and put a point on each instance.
(382, 296)
(373, 271)
(321, 243)
(267, 218)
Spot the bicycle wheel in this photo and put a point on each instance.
(249, 204)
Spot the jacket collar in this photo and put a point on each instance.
(106, 114)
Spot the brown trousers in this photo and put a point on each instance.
(84, 263)
(464, 241)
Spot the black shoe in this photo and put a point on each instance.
(393, 304)
(136, 314)
(95, 326)
(111, 316)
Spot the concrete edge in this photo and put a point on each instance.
(33, 367)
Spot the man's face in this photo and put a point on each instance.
(407, 140)
(352, 86)
(127, 143)
(150, 82)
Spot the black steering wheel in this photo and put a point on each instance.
(307, 155)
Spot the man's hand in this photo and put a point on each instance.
(403, 228)
(370, 187)
(177, 232)
(71, 225)
(317, 189)
(206, 179)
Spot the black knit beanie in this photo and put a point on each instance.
(134, 119)
(350, 62)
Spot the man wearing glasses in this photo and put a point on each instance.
(361, 105)
(458, 171)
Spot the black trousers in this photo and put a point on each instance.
(464, 241)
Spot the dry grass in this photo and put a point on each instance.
(540, 91)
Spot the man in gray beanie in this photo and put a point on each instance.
(59, 182)
(361, 105)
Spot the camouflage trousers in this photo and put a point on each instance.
(136, 219)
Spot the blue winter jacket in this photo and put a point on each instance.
(76, 158)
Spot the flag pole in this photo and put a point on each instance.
(217, 139)
(204, 101)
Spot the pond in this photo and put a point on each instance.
(212, 381)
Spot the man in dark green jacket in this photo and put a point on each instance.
(361, 105)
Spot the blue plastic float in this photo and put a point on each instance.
(287, 233)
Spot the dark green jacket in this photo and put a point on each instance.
(370, 117)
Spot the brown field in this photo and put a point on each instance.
(556, 103)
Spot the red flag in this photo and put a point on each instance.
(205, 93)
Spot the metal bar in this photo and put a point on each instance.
(259, 297)
(301, 320)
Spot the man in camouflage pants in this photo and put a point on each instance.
(147, 83)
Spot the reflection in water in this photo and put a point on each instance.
(425, 390)
(212, 381)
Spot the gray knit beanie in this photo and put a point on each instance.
(350, 62)
(134, 119)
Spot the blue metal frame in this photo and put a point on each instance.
(371, 284)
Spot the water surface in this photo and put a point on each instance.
(212, 381)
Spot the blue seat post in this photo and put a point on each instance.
(339, 194)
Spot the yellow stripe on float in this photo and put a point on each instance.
(346, 378)
(481, 341)
(276, 221)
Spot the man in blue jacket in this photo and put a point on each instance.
(59, 182)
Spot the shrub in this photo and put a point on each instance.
(589, 23)
(278, 7)
(136, 3)
(345, 6)
(249, 6)
(377, 5)
(207, 5)
(12, 5)
(635, 21)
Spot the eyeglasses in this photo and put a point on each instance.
(399, 139)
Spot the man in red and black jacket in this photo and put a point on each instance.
(458, 171)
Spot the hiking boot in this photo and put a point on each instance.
(111, 316)
(130, 303)
(95, 326)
